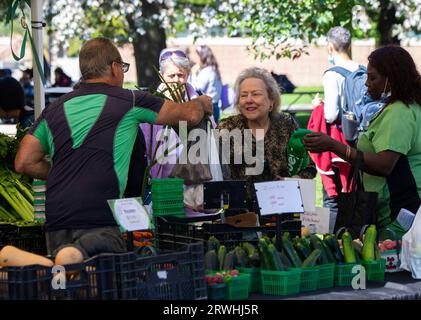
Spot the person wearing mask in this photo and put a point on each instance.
(391, 146)
(334, 170)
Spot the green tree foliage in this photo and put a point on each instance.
(283, 28)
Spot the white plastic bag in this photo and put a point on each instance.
(213, 156)
(411, 248)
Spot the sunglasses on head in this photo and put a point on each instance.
(168, 54)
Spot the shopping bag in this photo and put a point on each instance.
(411, 248)
(297, 155)
(357, 207)
(213, 156)
(192, 173)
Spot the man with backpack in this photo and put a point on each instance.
(342, 85)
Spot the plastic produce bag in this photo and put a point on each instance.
(298, 158)
(411, 248)
(213, 156)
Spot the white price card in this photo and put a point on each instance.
(276, 197)
(308, 193)
(130, 214)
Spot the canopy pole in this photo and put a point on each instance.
(37, 24)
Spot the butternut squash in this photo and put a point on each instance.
(68, 255)
(13, 257)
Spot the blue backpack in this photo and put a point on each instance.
(350, 110)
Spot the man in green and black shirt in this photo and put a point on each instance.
(89, 134)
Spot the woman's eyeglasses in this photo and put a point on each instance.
(168, 54)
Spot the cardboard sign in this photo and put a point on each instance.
(130, 214)
(317, 221)
(276, 197)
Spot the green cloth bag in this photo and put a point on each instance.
(298, 158)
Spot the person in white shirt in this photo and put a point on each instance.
(338, 46)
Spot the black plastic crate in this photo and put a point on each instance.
(171, 233)
(94, 279)
(25, 283)
(167, 276)
(30, 238)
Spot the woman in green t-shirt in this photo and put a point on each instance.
(392, 144)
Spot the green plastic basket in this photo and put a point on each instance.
(238, 287)
(344, 275)
(179, 212)
(167, 196)
(281, 283)
(309, 278)
(217, 291)
(255, 278)
(167, 185)
(168, 204)
(326, 276)
(375, 269)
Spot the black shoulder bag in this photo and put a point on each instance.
(357, 207)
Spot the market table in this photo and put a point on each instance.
(397, 286)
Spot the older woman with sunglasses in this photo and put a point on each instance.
(174, 67)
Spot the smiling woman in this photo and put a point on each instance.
(258, 102)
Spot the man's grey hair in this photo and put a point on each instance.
(340, 38)
(272, 87)
(180, 62)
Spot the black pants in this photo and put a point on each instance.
(332, 202)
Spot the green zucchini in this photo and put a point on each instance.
(317, 244)
(248, 248)
(213, 244)
(254, 260)
(241, 257)
(302, 251)
(211, 261)
(290, 252)
(275, 259)
(349, 252)
(229, 263)
(312, 259)
(221, 256)
(285, 261)
(368, 251)
(328, 252)
(333, 244)
(263, 246)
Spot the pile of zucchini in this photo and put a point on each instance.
(295, 253)
(299, 252)
(218, 258)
